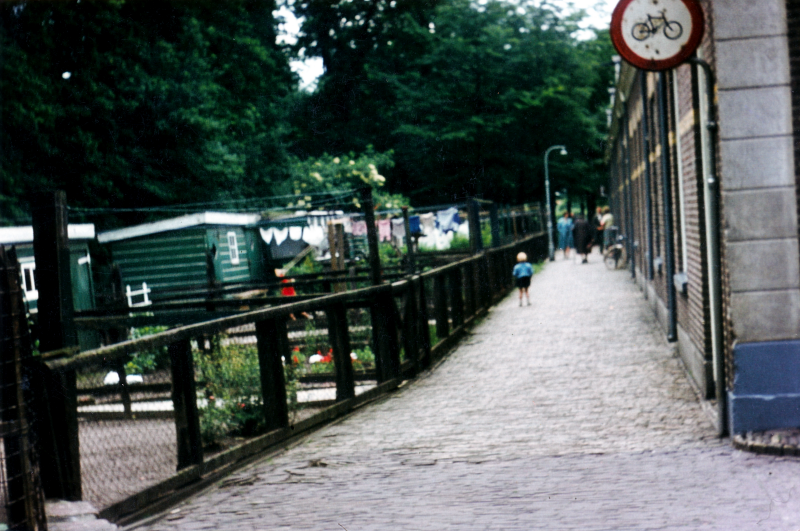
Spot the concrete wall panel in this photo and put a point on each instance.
(753, 62)
(764, 265)
(757, 163)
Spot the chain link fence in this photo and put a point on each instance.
(21, 495)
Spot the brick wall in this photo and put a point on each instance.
(684, 147)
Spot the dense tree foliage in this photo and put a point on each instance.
(163, 102)
(468, 96)
(182, 102)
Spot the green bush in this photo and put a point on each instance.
(389, 255)
(459, 243)
(366, 359)
(147, 361)
(233, 390)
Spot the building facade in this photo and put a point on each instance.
(705, 175)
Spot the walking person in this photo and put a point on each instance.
(523, 272)
(564, 227)
(608, 222)
(597, 223)
(583, 233)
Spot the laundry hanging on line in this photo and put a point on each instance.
(413, 225)
(398, 228)
(448, 220)
(384, 230)
(428, 222)
(359, 228)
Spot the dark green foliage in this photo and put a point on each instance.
(467, 97)
(148, 361)
(184, 102)
(166, 103)
(234, 405)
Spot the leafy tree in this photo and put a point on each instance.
(165, 102)
(468, 97)
(355, 39)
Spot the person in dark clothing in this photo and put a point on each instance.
(582, 234)
(597, 224)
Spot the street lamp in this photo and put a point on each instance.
(550, 246)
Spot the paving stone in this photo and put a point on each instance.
(571, 414)
(65, 510)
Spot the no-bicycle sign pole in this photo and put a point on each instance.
(657, 34)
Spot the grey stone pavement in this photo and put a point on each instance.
(571, 414)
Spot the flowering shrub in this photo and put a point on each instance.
(232, 389)
(333, 173)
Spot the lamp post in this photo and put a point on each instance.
(550, 246)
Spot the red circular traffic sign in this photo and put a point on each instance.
(657, 34)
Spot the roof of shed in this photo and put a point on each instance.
(11, 235)
(179, 223)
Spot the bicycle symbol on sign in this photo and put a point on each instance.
(644, 30)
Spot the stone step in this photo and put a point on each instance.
(74, 516)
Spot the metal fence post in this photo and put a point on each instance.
(184, 400)
(60, 455)
(273, 343)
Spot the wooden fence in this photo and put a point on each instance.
(412, 321)
(399, 313)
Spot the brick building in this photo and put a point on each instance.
(705, 187)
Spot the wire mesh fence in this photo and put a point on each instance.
(126, 426)
(21, 494)
(232, 378)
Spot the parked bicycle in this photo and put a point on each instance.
(614, 255)
(644, 30)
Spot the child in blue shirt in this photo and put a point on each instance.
(523, 272)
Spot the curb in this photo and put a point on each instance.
(741, 443)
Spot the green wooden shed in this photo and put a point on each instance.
(159, 260)
(80, 263)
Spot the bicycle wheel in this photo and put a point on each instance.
(610, 260)
(673, 30)
(641, 31)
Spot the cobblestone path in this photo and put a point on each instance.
(571, 414)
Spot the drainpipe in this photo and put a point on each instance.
(627, 192)
(669, 242)
(647, 177)
(713, 238)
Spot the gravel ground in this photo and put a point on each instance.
(121, 458)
